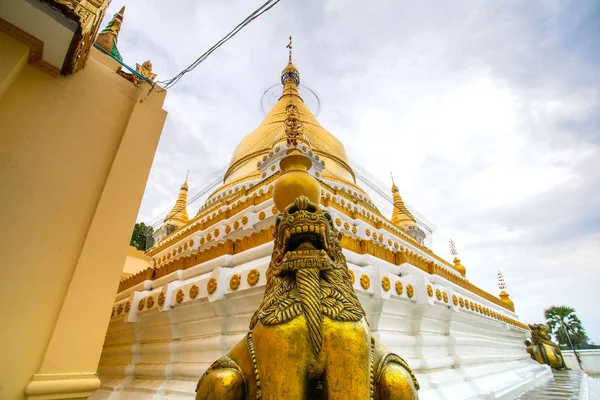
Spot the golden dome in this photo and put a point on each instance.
(260, 141)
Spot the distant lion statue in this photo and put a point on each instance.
(542, 349)
(309, 339)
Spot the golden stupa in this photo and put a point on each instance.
(289, 204)
(255, 145)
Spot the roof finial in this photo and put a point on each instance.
(187, 174)
(392, 175)
(453, 250)
(289, 46)
(501, 283)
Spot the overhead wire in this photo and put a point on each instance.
(168, 83)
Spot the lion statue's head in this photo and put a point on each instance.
(308, 273)
(305, 237)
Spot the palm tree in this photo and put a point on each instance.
(565, 325)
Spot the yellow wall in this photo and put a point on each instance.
(75, 153)
(136, 261)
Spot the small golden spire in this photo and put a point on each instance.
(501, 283)
(401, 216)
(452, 248)
(457, 265)
(178, 215)
(290, 77)
(504, 296)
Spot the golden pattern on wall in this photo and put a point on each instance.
(194, 291)
(399, 288)
(161, 298)
(150, 302)
(385, 283)
(365, 282)
(141, 304)
(410, 291)
(429, 290)
(180, 296)
(211, 286)
(234, 282)
(252, 277)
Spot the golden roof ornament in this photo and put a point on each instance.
(178, 215)
(144, 70)
(107, 38)
(401, 216)
(290, 77)
(503, 293)
(457, 265)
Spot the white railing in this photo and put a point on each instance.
(590, 360)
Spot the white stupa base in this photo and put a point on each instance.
(455, 353)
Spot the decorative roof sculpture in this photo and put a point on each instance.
(503, 293)
(144, 70)
(107, 38)
(457, 265)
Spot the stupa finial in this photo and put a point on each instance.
(457, 265)
(290, 77)
(501, 282)
(504, 296)
(453, 250)
(289, 46)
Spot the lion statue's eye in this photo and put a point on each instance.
(277, 221)
(327, 215)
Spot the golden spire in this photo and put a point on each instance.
(401, 216)
(457, 265)
(503, 294)
(178, 215)
(290, 77)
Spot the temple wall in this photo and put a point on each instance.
(163, 349)
(75, 153)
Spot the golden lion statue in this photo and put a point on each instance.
(542, 349)
(309, 339)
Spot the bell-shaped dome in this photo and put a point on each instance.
(259, 142)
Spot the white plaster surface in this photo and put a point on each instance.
(455, 353)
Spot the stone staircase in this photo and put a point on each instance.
(565, 385)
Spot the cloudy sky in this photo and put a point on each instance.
(487, 112)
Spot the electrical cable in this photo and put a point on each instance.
(166, 84)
